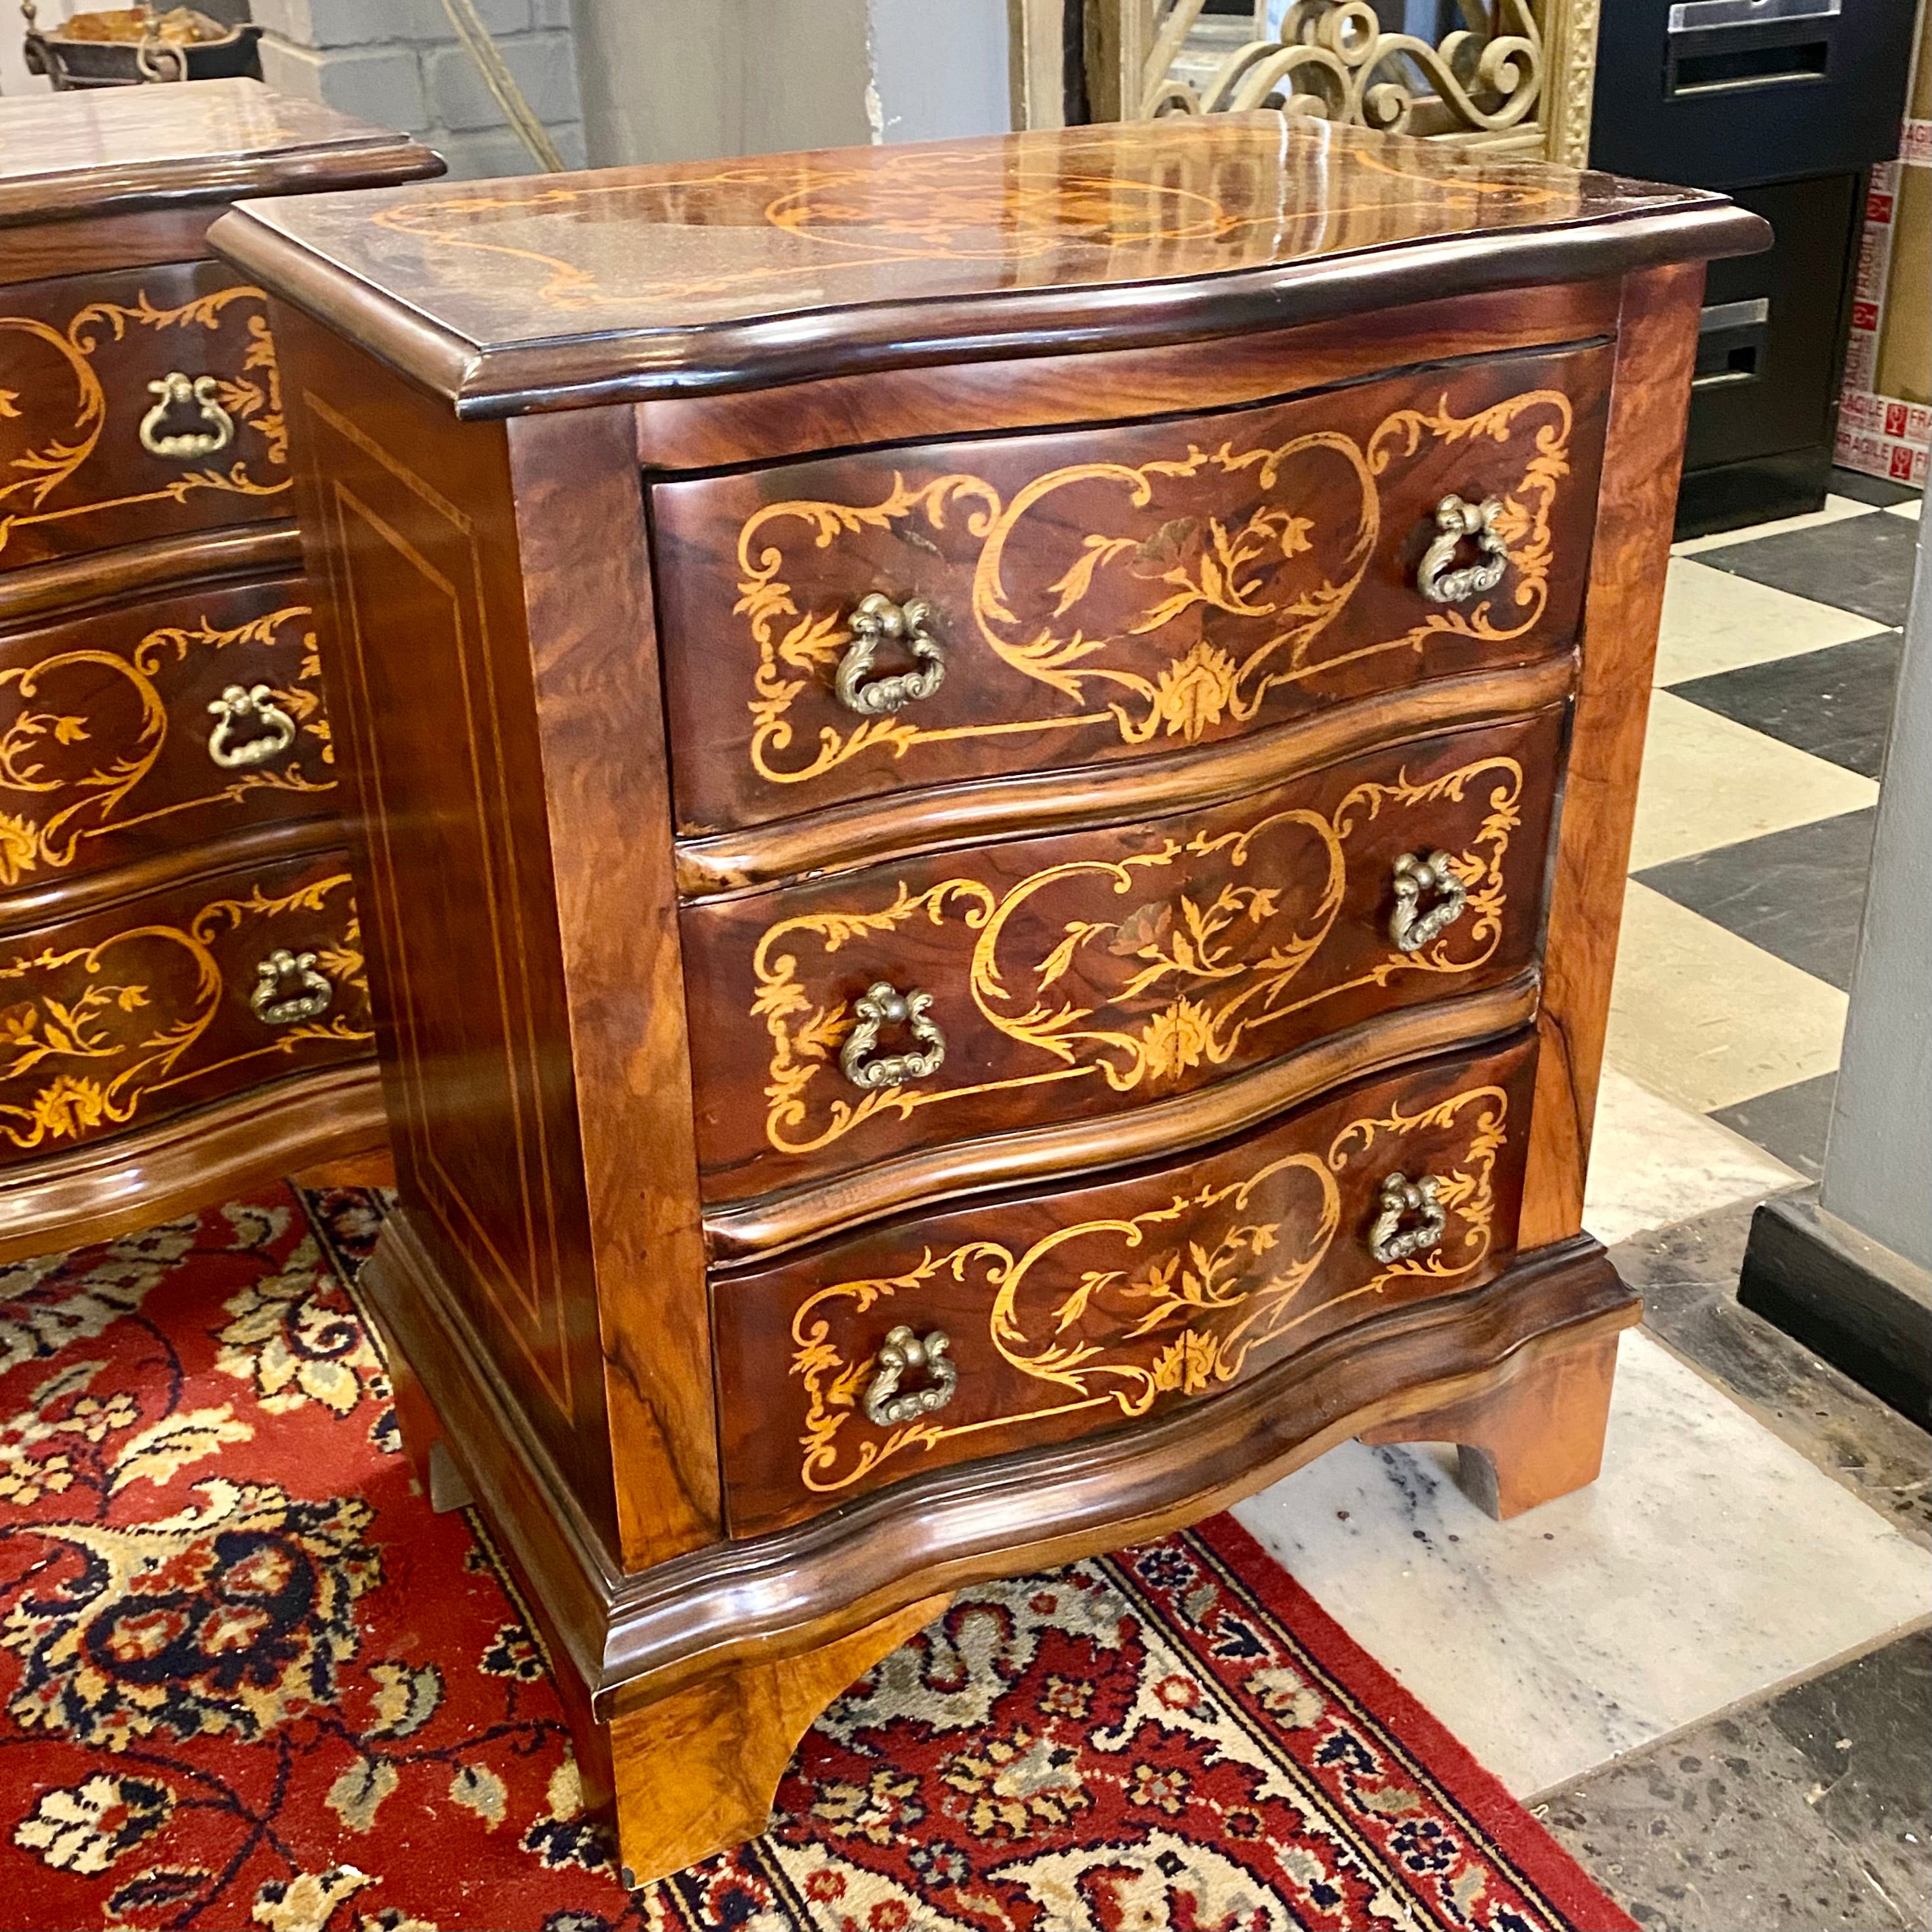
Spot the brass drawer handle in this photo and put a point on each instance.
(255, 705)
(882, 1005)
(876, 620)
(901, 1353)
(175, 391)
(1389, 1240)
(1454, 521)
(1410, 928)
(273, 1006)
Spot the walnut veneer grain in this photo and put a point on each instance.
(1205, 1168)
(181, 965)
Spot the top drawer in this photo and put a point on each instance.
(1109, 592)
(135, 405)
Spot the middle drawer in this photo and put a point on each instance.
(866, 1020)
(133, 732)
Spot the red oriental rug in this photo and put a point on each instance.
(248, 1679)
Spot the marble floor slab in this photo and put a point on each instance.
(1799, 893)
(1863, 565)
(1715, 622)
(1670, 1589)
(1836, 509)
(1910, 509)
(1835, 704)
(1687, 1276)
(1708, 781)
(1805, 1812)
(1653, 1162)
(1791, 1123)
(1707, 1019)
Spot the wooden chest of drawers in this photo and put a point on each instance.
(182, 1003)
(993, 787)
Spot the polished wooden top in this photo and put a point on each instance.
(90, 151)
(548, 290)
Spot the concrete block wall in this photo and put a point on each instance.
(398, 64)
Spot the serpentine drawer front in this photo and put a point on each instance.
(168, 799)
(146, 403)
(135, 731)
(907, 616)
(992, 784)
(1068, 1312)
(126, 1016)
(1066, 979)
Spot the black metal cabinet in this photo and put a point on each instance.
(1785, 104)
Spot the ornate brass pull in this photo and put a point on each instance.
(177, 391)
(1454, 521)
(1389, 1240)
(274, 1007)
(877, 620)
(902, 1353)
(883, 1005)
(1410, 928)
(255, 705)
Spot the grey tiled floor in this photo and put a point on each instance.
(1807, 1807)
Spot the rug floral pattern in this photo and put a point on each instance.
(248, 1679)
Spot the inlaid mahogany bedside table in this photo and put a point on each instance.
(994, 782)
(182, 1009)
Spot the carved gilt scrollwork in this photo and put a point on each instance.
(1333, 60)
(1121, 1311)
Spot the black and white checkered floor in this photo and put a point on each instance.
(1710, 1671)
(1775, 678)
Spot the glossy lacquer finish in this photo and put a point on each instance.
(717, 274)
(1103, 972)
(991, 783)
(1074, 1310)
(1131, 590)
(89, 153)
(180, 971)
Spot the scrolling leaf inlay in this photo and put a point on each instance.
(95, 1040)
(1222, 957)
(1193, 564)
(251, 395)
(64, 807)
(1184, 1318)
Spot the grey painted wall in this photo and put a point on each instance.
(1878, 1163)
(670, 80)
(940, 67)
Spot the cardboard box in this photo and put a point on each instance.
(1884, 413)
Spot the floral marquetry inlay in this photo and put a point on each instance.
(1119, 1312)
(96, 744)
(1147, 972)
(97, 1034)
(76, 385)
(1233, 560)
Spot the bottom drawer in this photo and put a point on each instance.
(1072, 1310)
(114, 1021)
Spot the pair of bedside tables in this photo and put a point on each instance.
(989, 788)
